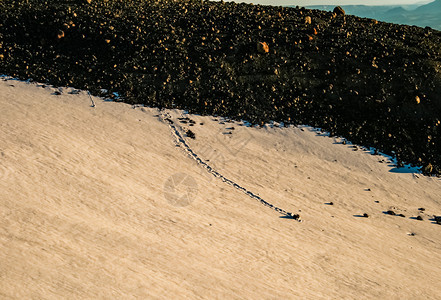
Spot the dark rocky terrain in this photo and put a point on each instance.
(375, 83)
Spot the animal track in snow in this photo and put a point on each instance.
(181, 142)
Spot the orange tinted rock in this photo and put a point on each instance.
(262, 47)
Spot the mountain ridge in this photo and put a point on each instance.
(420, 15)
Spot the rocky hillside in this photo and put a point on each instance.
(375, 83)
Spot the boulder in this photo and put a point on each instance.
(262, 47)
(60, 34)
(339, 11)
(427, 169)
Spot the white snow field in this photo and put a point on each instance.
(116, 201)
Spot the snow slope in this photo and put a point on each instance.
(106, 202)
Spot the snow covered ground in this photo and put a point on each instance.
(116, 201)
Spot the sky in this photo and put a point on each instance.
(333, 2)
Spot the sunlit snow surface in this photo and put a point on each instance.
(390, 160)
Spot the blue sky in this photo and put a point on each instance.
(333, 2)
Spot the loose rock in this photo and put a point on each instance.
(339, 11)
(190, 134)
(262, 47)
